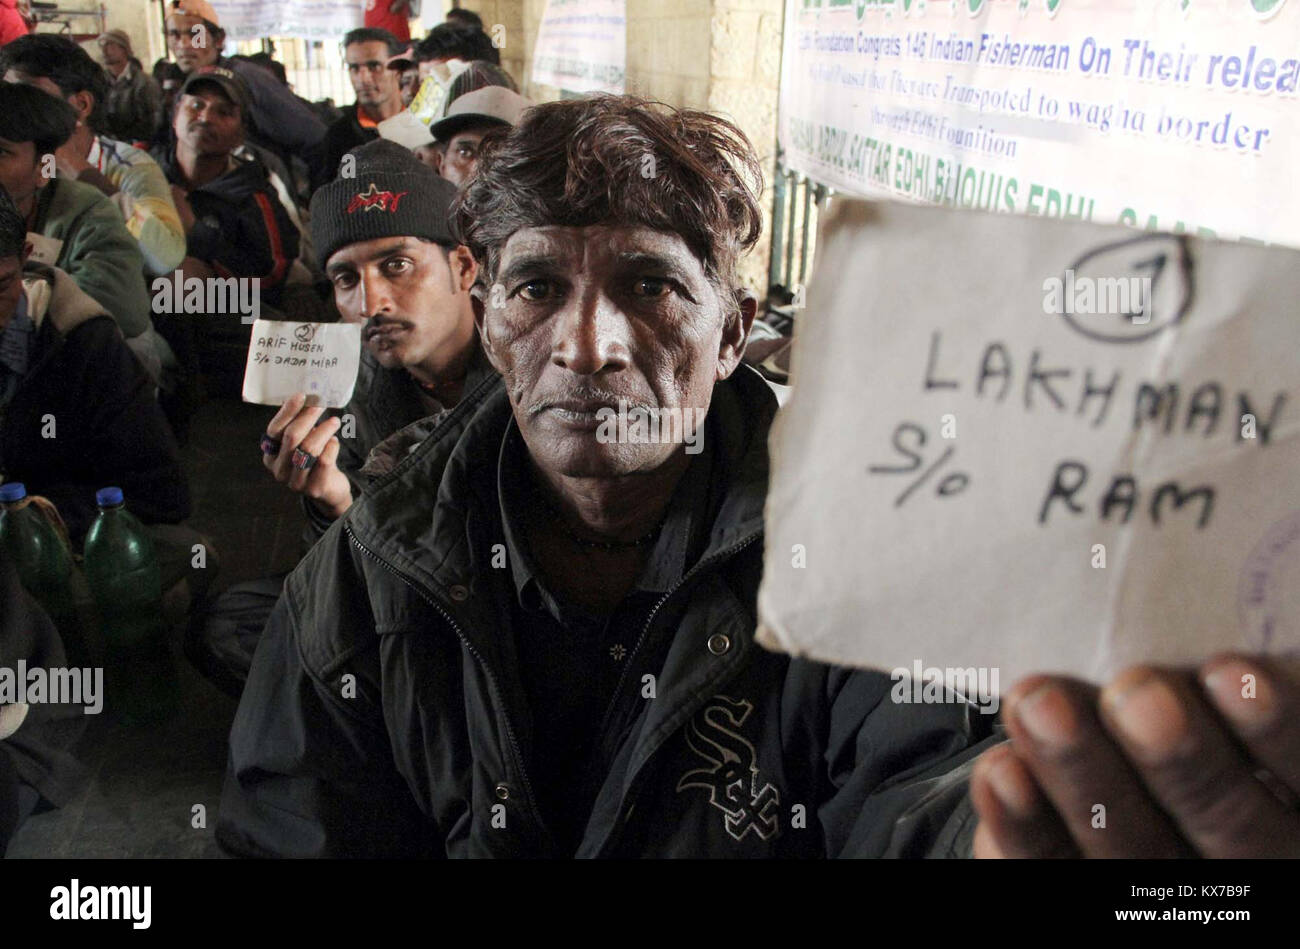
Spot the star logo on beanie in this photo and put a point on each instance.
(375, 199)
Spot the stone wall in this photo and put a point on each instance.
(720, 55)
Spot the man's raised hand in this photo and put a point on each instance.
(307, 455)
(1159, 763)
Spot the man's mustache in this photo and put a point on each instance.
(589, 395)
(375, 324)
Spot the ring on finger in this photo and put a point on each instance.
(270, 446)
(303, 460)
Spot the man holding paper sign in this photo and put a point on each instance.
(386, 244)
(536, 636)
(384, 238)
(548, 616)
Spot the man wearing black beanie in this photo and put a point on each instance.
(382, 233)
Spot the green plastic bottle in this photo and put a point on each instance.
(43, 560)
(122, 571)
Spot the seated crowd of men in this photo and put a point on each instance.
(508, 635)
(113, 186)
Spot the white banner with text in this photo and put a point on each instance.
(1174, 115)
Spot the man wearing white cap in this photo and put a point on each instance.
(468, 119)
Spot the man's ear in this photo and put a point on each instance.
(735, 332)
(83, 103)
(464, 268)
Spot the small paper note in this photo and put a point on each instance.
(320, 359)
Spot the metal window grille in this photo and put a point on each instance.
(796, 200)
(315, 68)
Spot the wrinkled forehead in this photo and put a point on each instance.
(600, 247)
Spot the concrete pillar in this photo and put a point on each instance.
(723, 56)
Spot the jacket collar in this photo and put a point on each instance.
(419, 519)
(54, 297)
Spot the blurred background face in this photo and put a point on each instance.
(170, 89)
(208, 122)
(405, 292)
(115, 57)
(592, 315)
(20, 172)
(374, 83)
(460, 160)
(183, 40)
(409, 83)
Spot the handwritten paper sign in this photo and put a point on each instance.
(320, 359)
(1035, 446)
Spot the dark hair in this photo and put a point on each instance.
(446, 41)
(28, 114)
(165, 69)
(63, 62)
(373, 34)
(469, 18)
(581, 162)
(271, 64)
(479, 75)
(13, 228)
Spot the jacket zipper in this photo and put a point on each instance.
(654, 610)
(516, 753)
(621, 822)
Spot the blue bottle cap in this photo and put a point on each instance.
(12, 491)
(108, 497)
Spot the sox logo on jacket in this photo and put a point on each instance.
(732, 778)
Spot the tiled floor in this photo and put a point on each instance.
(149, 781)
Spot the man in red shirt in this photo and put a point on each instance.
(390, 15)
(12, 24)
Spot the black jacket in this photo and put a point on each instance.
(343, 136)
(36, 742)
(385, 402)
(241, 228)
(384, 714)
(108, 428)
